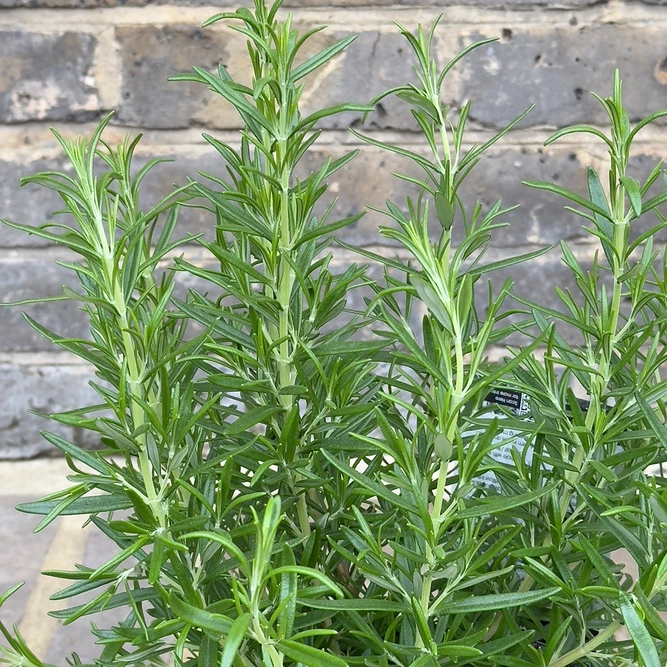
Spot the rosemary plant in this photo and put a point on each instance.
(280, 490)
(603, 450)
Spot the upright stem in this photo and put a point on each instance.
(275, 656)
(444, 272)
(454, 407)
(286, 278)
(285, 270)
(583, 650)
(134, 382)
(599, 384)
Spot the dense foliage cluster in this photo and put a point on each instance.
(283, 488)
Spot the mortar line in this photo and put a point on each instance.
(55, 19)
(178, 143)
(582, 249)
(44, 358)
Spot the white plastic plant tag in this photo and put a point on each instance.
(507, 439)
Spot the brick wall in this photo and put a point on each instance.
(65, 63)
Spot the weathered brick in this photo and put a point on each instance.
(36, 277)
(368, 181)
(536, 279)
(46, 77)
(540, 218)
(373, 63)
(29, 205)
(44, 389)
(150, 55)
(35, 205)
(160, 182)
(557, 68)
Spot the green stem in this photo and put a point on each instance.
(458, 378)
(302, 513)
(284, 294)
(286, 272)
(134, 382)
(274, 654)
(600, 381)
(439, 496)
(425, 600)
(286, 277)
(446, 150)
(585, 649)
(437, 514)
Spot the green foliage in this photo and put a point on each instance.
(283, 489)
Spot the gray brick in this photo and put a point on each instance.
(556, 69)
(540, 218)
(30, 278)
(150, 55)
(45, 77)
(356, 299)
(372, 64)
(38, 276)
(161, 180)
(44, 389)
(365, 182)
(30, 205)
(35, 205)
(535, 280)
